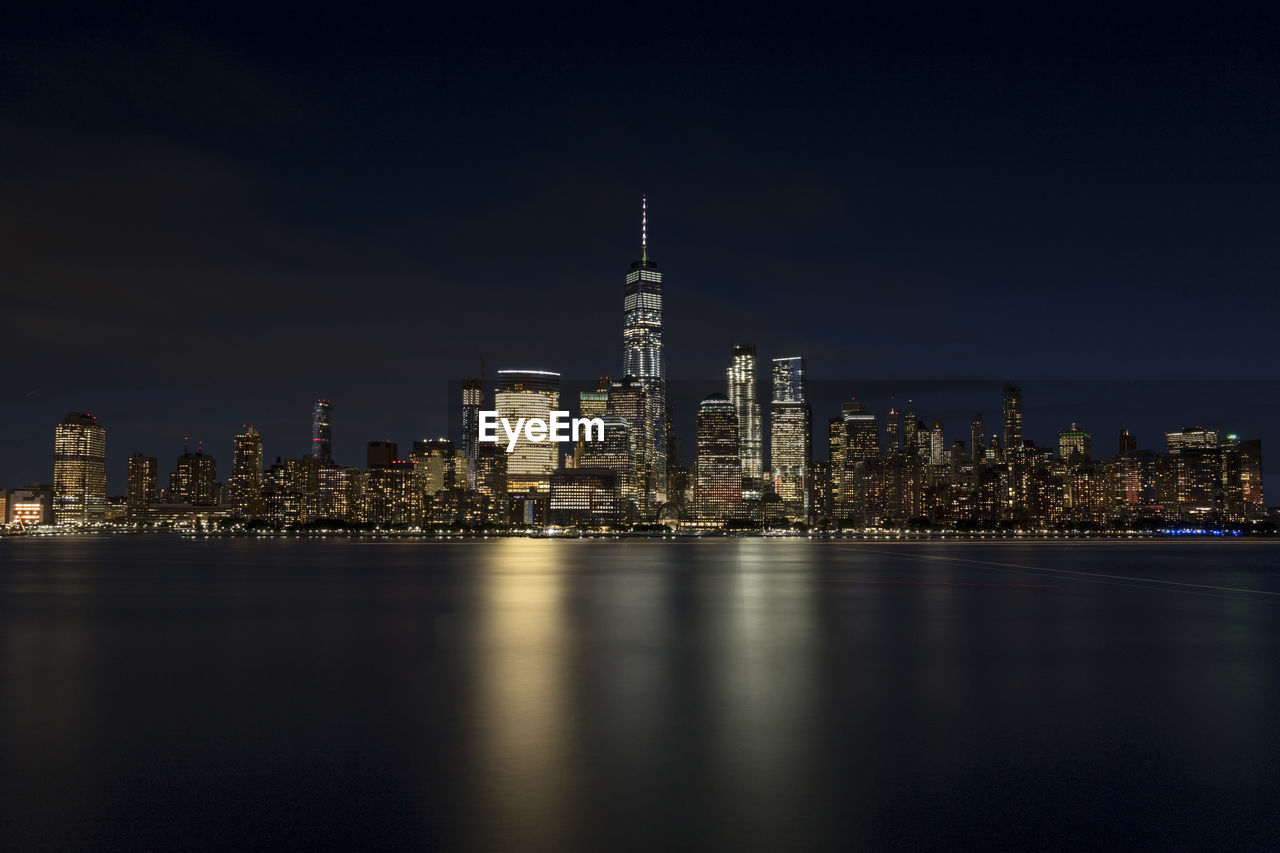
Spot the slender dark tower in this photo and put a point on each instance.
(321, 432)
(1012, 419)
(642, 358)
(472, 401)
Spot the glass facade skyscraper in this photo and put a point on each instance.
(741, 381)
(642, 356)
(528, 394)
(321, 432)
(977, 440)
(616, 453)
(244, 486)
(79, 470)
(472, 402)
(1012, 411)
(790, 436)
(194, 479)
(141, 490)
(717, 491)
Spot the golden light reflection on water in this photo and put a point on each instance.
(523, 717)
(766, 699)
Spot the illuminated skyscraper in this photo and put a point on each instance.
(630, 400)
(788, 379)
(1012, 419)
(642, 356)
(717, 493)
(617, 454)
(391, 497)
(194, 479)
(435, 465)
(836, 442)
(79, 470)
(1190, 437)
(862, 448)
(528, 394)
(244, 486)
(862, 433)
(1075, 441)
(790, 436)
(741, 377)
(937, 443)
(491, 472)
(892, 433)
(977, 439)
(141, 491)
(321, 432)
(472, 402)
(593, 404)
(338, 492)
(909, 424)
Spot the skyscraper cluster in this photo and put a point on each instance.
(752, 467)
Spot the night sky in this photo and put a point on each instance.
(211, 217)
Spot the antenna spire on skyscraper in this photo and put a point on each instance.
(644, 227)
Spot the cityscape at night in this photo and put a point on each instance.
(523, 427)
(750, 467)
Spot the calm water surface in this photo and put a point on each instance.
(735, 694)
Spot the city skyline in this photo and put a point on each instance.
(644, 350)
(1203, 476)
(200, 240)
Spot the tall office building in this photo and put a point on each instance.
(79, 470)
(391, 497)
(593, 404)
(937, 443)
(1190, 437)
(244, 486)
(741, 380)
(321, 432)
(435, 465)
(862, 452)
(717, 491)
(491, 471)
(472, 403)
(529, 394)
(338, 492)
(630, 400)
(788, 379)
(790, 436)
(642, 356)
(977, 439)
(1012, 408)
(194, 479)
(909, 424)
(617, 454)
(862, 433)
(140, 491)
(1075, 441)
(892, 433)
(836, 442)
(1242, 479)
